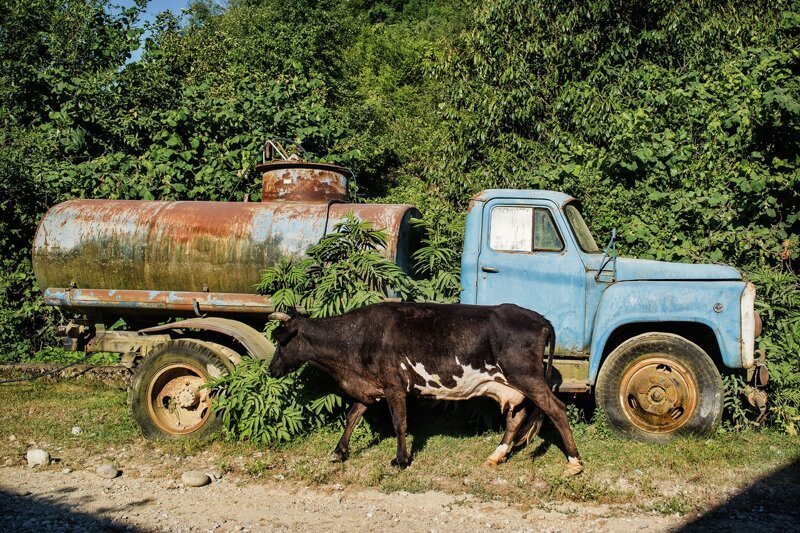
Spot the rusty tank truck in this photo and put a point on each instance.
(151, 262)
(650, 339)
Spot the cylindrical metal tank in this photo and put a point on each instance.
(196, 257)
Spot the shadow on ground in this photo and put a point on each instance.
(34, 513)
(430, 418)
(770, 504)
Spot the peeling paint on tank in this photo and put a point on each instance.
(199, 247)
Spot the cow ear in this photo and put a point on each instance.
(283, 334)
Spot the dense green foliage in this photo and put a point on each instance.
(257, 407)
(344, 271)
(678, 123)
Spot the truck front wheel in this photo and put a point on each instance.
(656, 386)
(166, 397)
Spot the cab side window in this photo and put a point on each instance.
(545, 234)
(523, 229)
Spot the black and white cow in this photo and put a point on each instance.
(451, 352)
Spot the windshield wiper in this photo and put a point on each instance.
(609, 258)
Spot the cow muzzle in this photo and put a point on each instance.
(276, 369)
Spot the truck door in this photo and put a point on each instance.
(528, 258)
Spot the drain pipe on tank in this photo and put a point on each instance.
(328, 214)
(334, 201)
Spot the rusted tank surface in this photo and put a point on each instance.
(199, 257)
(297, 180)
(191, 246)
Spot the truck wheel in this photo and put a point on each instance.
(656, 386)
(165, 396)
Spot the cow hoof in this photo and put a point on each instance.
(574, 467)
(337, 457)
(398, 465)
(489, 463)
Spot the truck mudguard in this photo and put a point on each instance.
(256, 344)
(716, 305)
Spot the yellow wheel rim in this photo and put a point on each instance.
(658, 394)
(176, 403)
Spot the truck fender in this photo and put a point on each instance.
(670, 301)
(256, 344)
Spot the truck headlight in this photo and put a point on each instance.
(748, 336)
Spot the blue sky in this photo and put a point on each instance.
(155, 7)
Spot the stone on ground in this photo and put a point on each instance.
(193, 478)
(38, 457)
(107, 471)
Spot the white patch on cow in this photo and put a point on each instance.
(473, 382)
(491, 368)
(404, 368)
(499, 453)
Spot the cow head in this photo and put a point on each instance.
(288, 350)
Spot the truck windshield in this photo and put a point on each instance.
(580, 229)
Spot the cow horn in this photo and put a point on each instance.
(282, 317)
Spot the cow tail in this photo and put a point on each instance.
(551, 340)
(533, 423)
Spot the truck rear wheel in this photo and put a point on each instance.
(656, 386)
(165, 395)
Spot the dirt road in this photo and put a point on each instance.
(51, 500)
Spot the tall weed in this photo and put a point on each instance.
(260, 408)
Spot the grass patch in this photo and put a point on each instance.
(46, 413)
(680, 477)
(678, 504)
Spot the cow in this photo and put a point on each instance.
(391, 350)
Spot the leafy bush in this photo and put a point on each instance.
(258, 407)
(344, 271)
(779, 305)
(437, 262)
(737, 414)
(26, 323)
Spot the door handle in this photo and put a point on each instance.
(489, 269)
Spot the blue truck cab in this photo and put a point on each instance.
(649, 338)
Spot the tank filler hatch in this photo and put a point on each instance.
(288, 177)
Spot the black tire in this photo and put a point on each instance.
(163, 395)
(656, 386)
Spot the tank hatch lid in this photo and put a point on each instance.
(295, 179)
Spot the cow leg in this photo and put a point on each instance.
(342, 449)
(538, 391)
(514, 420)
(397, 408)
